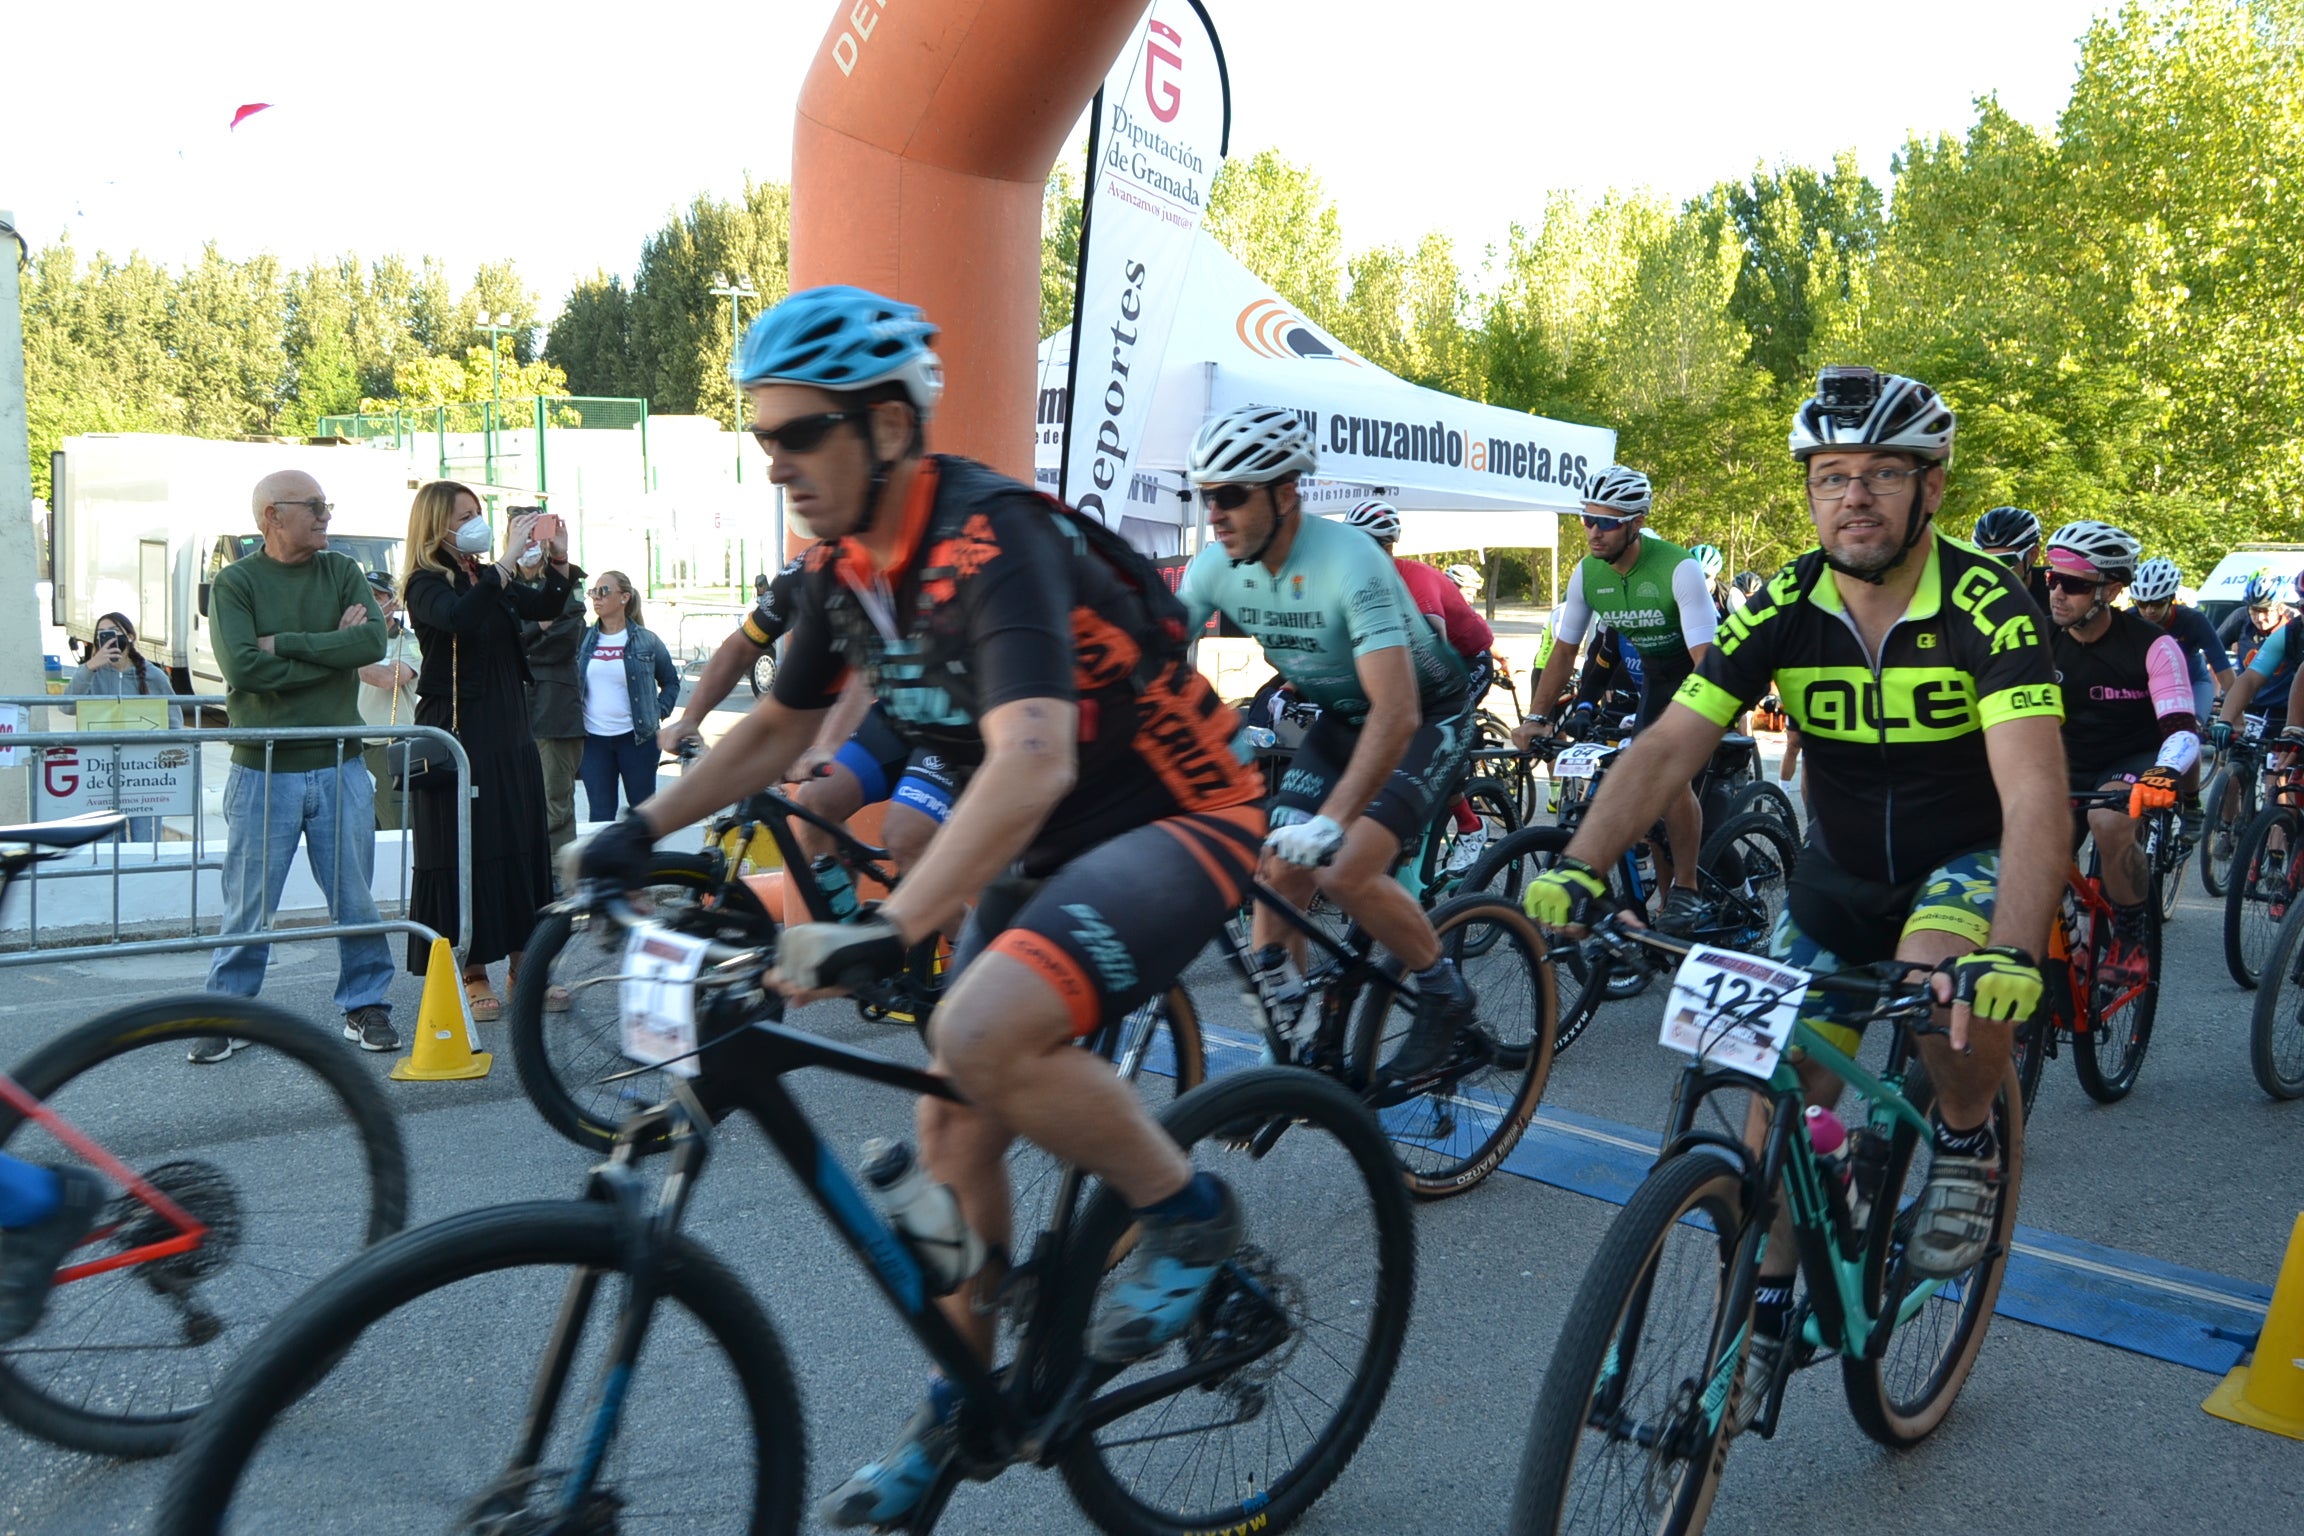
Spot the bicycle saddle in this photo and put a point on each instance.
(71, 832)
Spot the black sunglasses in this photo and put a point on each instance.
(802, 434)
(2071, 585)
(1592, 521)
(1226, 498)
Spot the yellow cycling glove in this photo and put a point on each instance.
(1571, 892)
(2001, 983)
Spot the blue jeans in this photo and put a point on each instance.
(610, 758)
(333, 810)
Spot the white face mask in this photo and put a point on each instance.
(475, 537)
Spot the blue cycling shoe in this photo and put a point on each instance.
(886, 1491)
(1168, 1274)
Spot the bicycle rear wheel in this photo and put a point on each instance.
(1492, 801)
(2276, 1029)
(1627, 1430)
(372, 1360)
(2109, 1052)
(2230, 807)
(1320, 1292)
(1583, 984)
(2258, 889)
(1745, 876)
(1767, 797)
(1453, 1128)
(565, 1060)
(286, 1152)
(1901, 1396)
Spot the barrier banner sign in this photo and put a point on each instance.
(12, 718)
(152, 781)
(1157, 133)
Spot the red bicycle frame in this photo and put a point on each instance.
(188, 1233)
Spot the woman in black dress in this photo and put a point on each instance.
(467, 612)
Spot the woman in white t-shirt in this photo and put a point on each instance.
(630, 684)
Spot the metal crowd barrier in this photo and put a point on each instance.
(198, 862)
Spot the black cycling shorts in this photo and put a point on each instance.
(1659, 680)
(1122, 920)
(1431, 768)
(886, 769)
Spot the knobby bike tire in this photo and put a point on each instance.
(561, 1058)
(2161, 842)
(1253, 1114)
(2109, 1052)
(2276, 1028)
(1770, 798)
(1617, 1298)
(2216, 851)
(299, 1350)
(1902, 1395)
(1584, 985)
(1745, 877)
(169, 1023)
(2033, 1038)
(1461, 1127)
(2255, 884)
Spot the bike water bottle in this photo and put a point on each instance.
(924, 1211)
(838, 886)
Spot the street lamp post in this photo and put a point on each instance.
(735, 293)
(495, 326)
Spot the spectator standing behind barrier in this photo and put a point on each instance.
(555, 704)
(115, 669)
(630, 684)
(467, 611)
(293, 624)
(388, 696)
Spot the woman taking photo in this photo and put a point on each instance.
(466, 610)
(630, 685)
(115, 669)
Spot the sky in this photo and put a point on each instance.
(475, 134)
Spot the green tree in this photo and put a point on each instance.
(591, 341)
(679, 332)
(1060, 219)
(1274, 216)
(1407, 314)
(432, 380)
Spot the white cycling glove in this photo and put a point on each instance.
(1309, 843)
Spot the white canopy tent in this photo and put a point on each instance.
(1465, 475)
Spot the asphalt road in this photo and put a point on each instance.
(2053, 1433)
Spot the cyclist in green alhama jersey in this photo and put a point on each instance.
(1336, 621)
(1652, 593)
(1921, 679)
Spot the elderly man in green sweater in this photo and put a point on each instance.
(294, 623)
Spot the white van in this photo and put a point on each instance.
(2227, 586)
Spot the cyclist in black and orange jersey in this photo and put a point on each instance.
(1108, 829)
(1923, 687)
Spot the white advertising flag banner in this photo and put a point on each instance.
(1160, 125)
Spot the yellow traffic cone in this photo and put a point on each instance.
(444, 1047)
(2268, 1392)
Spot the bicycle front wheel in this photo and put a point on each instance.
(1745, 877)
(1317, 1298)
(566, 1059)
(1454, 1127)
(286, 1153)
(378, 1358)
(1587, 983)
(2108, 1052)
(2257, 891)
(2276, 1030)
(1901, 1396)
(1627, 1431)
(2229, 810)
(1767, 797)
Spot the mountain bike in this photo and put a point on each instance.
(2276, 1024)
(1632, 1429)
(1241, 1423)
(2267, 871)
(2107, 1020)
(235, 1186)
(2230, 801)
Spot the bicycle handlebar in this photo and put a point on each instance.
(1886, 982)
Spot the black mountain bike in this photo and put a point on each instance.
(1242, 1423)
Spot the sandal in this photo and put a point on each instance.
(485, 1006)
(556, 998)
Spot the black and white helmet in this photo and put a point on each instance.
(1253, 445)
(2007, 528)
(2156, 580)
(1622, 491)
(2100, 548)
(1380, 520)
(1865, 408)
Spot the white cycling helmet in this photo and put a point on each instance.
(2090, 548)
(1709, 559)
(1467, 580)
(1622, 491)
(1253, 445)
(1865, 408)
(1380, 520)
(2156, 580)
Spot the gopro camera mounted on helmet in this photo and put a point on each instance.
(1847, 392)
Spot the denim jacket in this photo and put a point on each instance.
(647, 661)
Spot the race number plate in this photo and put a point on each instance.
(659, 1025)
(1734, 1010)
(1580, 761)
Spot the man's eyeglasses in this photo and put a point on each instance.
(1884, 480)
(802, 434)
(1225, 498)
(2071, 585)
(319, 508)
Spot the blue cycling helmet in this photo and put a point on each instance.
(2266, 587)
(843, 339)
